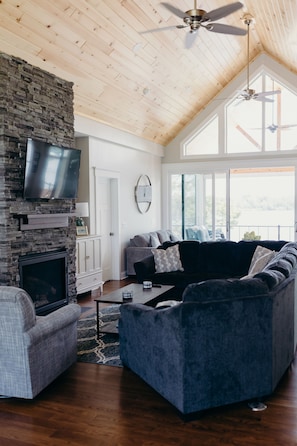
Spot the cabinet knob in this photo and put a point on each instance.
(87, 257)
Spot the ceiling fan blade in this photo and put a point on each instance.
(259, 98)
(286, 127)
(219, 13)
(190, 39)
(175, 11)
(154, 30)
(268, 93)
(225, 29)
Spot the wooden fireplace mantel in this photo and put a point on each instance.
(43, 221)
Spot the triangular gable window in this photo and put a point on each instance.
(248, 126)
(256, 126)
(205, 141)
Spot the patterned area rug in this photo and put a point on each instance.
(104, 350)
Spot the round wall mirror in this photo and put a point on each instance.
(143, 193)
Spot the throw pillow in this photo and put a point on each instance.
(174, 237)
(260, 259)
(140, 240)
(154, 241)
(167, 260)
(163, 235)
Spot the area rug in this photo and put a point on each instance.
(104, 350)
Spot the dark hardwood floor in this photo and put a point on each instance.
(103, 405)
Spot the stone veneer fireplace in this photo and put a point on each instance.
(33, 104)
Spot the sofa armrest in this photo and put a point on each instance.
(145, 269)
(201, 355)
(48, 325)
(135, 254)
(149, 338)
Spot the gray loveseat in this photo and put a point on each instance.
(141, 245)
(229, 340)
(34, 350)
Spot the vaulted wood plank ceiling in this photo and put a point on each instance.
(147, 84)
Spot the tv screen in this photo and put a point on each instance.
(51, 171)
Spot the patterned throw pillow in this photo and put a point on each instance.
(260, 259)
(167, 260)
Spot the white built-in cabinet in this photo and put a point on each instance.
(88, 264)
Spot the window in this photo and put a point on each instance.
(262, 199)
(246, 189)
(242, 203)
(255, 126)
(199, 206)
(248, 126)
(205, 141)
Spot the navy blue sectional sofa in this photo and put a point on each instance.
(227, 340)
(203, 261)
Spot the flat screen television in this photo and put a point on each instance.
(51, 172)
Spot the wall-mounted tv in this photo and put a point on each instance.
(51, 171)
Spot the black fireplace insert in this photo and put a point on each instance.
(45, 278)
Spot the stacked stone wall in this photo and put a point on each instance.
(33, 104)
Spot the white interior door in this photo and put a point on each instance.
(107, 223)
(104, 225)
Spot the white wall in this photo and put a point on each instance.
(114, 150)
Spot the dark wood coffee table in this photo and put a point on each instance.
(140, 296)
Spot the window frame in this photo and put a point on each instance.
(218, 108)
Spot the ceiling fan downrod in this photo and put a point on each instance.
(247, 20)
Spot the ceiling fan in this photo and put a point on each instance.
(196, 18)
(276, 127)
(248, 93)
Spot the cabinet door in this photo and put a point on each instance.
(88, 257)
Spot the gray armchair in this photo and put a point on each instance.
(34, 350)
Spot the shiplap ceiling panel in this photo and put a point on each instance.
(147, 84)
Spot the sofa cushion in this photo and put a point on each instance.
(281, 265)
(190, 255)
(271, 277)
(167, 260)
(220, 258)
(289, 253)
(217, 289)
(290, 257)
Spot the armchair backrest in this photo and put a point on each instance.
(17, 310)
